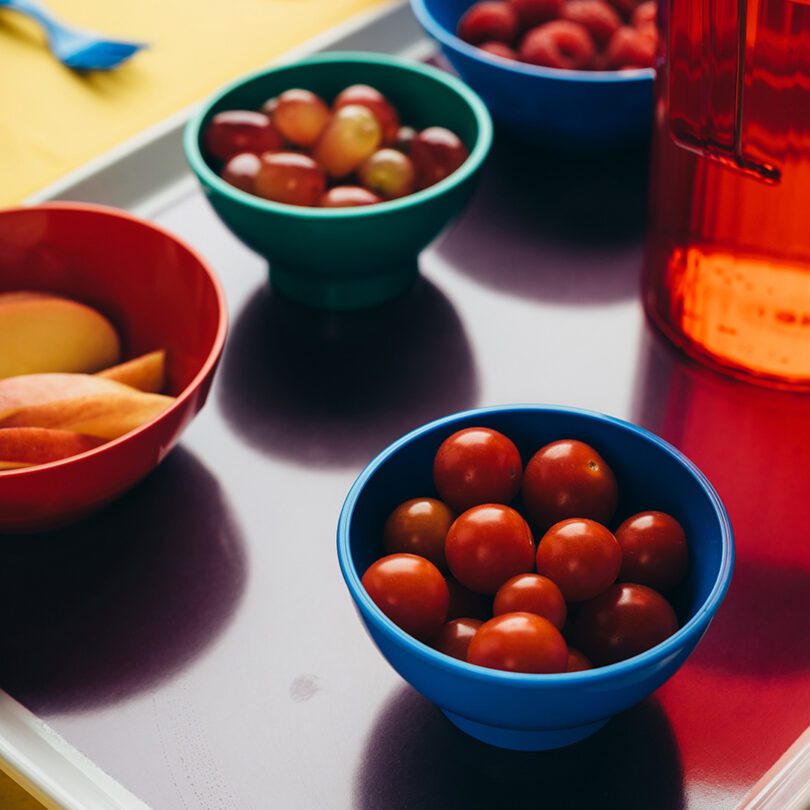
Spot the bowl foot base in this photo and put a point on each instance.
(342, 294)
(520, 739)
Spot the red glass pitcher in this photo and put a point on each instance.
(727, 272)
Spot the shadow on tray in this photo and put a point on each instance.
(753, 444)
(415, 758)
(115, 604)
(333, 388)
(555, 227)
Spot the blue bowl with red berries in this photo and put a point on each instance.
(562, 108)
(517, 683)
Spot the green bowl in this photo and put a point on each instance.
(346, 258)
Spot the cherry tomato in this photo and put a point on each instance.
(487, 545)
(477, 465)
(630, 48)
(654, 550)
(559, 44)
(531, 593)
(568, 479)
(597, 16)
(419, 526)
(581, 556)
(624, 621)
(488, 20)
(466, 603)
(373, 100)
(351, 137)
(389, 173)
(577, 662)
(455, 636)
(535, 12)
(436, 153)
(290, 177)
(348, 197)
(499, 49)
(405, 137)
(645, 14)
(234, 131)
(241, 170)
(519, 642)
(269, 107)
(411, 591)
(300, 116)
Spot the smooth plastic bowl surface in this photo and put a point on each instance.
(568, 109)
(350, 257)
(158, 293)
(535, 712)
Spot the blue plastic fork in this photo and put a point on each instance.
(77, 49)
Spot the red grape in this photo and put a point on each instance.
(289, 177)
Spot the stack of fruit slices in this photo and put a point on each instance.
(64, 387)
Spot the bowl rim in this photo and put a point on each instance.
(208, 364)
(448, 38)
(478, 153)
(694, 627)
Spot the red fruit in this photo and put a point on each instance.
(477, 465)
(531, 593)
(405, 137)
(487, 545)
(289, 177)
(654, 550)
(580, 556)
(455, 636)
(630, 48)
(419, 526)
(499, 49)
(568, 479)
(234, 131)
(645, 14)
(577, 662)
(535, 12)
(600, 18)
(489, 20)
(374, 101)
(436, 153)
(624, 621)
(559, 44)
(241, 171)
(519, 642)
(300, 116)
(411, 591)
(348, 197)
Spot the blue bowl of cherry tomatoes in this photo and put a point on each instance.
(340, 169)
(534, 570)
(568, 74)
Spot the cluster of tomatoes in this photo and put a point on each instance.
(569, 34)
(299, 150)
(463, 573)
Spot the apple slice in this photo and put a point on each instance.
(40, 332)
(82, 403)
(146, 373)
(27, 446)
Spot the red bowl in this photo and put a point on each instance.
(159, 294)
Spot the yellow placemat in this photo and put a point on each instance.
(53, 120)
(13, 797)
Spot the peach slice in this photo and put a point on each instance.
(27, 446)
(77, 402)
(146, 373)
(40, 332)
